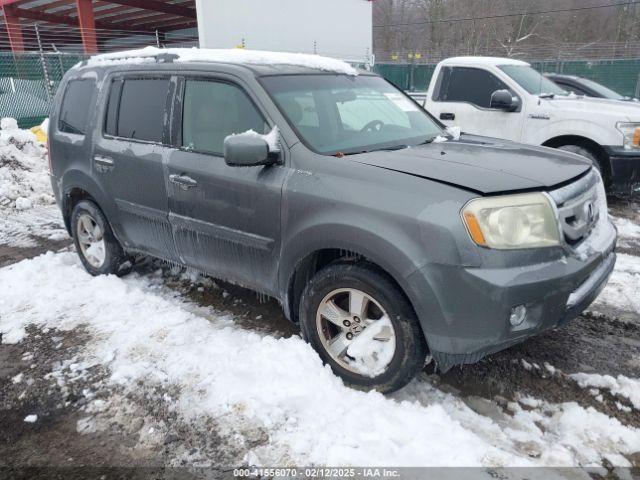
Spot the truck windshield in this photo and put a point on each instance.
(350, 114)
(532, 81)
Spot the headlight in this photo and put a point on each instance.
(630, 133)
(512, 221)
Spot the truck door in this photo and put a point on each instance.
(462, 96)
(226, 219)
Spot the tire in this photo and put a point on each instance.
(338, 282)
(100, 254)
(588, 154)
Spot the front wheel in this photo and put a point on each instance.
(97, 247)
(588, 154)
(362, 325)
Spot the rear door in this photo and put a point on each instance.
(462, 96)
(226, 219)
(128, 160)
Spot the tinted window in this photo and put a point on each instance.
(142, 107)
(111, 121)
(75, 106)
(473, 85)
(214, 110)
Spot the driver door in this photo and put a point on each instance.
(463, 96)
(226, 219)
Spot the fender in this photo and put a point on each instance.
(76, 178)
(392, 257)
(573, 127)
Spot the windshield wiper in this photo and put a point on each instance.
(431, 139)
(394, 147)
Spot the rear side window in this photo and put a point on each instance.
(76, 103)
(136, 108)
(214, 110)
(471, 85)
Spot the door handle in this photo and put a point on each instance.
(103, 163)
(447, 116)
(184, 181)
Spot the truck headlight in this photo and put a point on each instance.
(630, 133)
(512, 221)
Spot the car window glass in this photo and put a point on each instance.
(142, 109)
(473, 85)
(214, 110)
(368, 104)
(76, 104)
(349, 114)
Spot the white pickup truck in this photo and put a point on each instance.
(506, 98)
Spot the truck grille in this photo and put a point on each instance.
(579, 207)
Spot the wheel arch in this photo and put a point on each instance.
(591, 145)
(299, 266)
(77, 186)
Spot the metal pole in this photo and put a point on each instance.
(157, 39)
(44, 64)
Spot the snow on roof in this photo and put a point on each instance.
(495, 61)
(240, 56)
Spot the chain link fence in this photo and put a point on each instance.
(28, 82)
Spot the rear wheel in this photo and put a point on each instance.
(361, 324)
(97, 247)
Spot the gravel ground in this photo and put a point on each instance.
(600, 341)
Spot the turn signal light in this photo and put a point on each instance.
(474, 228)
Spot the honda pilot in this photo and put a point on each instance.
(387, 238)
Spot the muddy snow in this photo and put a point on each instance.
(168, 368)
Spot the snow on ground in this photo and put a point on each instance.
(24, 179)
(623, 386)
(622, 293)
(143, 331)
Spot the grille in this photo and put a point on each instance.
(578, 208)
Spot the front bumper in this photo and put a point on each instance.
(471, 317)
(625, 170)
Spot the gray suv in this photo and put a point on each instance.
(388, 240)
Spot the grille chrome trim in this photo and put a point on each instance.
(577, 208)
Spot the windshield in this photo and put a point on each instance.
(349, 114)
(532, 81)
(603, 91)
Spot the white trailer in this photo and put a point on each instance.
(334, 28)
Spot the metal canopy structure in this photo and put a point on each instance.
(89, 23)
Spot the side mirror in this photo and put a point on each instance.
(246, 151)
(504, 100)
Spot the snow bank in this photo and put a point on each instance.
(24, 172)
(251, 57)
(622, 292)
(622, 386)
(144, 332)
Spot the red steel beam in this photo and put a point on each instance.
(158, 7)
(14, 29)
(87, 26)
(62, 19)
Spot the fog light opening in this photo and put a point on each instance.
(518, 315)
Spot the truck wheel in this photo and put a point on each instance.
(95, 243)
(362, 325)
(586, 153)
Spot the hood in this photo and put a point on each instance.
(482, 164)
(621, 110)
